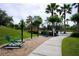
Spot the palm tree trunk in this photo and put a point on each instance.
(56, 29)
(52, 25)
(37, 30)
(52, 13)
(53, 30)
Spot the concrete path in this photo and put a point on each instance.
(51, 47)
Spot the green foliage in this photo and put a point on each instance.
(54, 19)
(71, 29)
(45, 32)
(66, 8)
(37, 20)
(75, 17)
(75, 35)
(70, 46)
(7, 21)
(51, 8)
(4, 18)
(29, 19)
(22, 24)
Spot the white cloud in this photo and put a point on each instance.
(22, 10)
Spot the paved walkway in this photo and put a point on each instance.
(51, 47)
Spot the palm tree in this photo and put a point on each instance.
(76, 5)
(51, 8)
(37, 22)
(60, 13)
(29, 21)
(53, 20)
(66, 9)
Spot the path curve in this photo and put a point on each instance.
(51, 47)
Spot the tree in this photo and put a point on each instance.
(5, 19)
(37, 22)
(60, 13)
(29, 21)
(76, 5)
(2, 15)
(16, 26)
(75, 18)
(51, 8)
(66, 9)
(53, 20)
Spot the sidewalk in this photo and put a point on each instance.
(51, 47)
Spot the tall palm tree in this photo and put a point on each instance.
(54, 19)
(66, 9)
(51, 8)
(76, 5)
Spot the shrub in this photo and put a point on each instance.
(75, 35)
(44, 33)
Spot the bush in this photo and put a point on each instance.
(75, 35)
(45, 33)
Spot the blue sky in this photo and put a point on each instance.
(21, 11)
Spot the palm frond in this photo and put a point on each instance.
(56, 6)
(74, 4)
(62, 7)
(47, 11)
(60, 11)
(69, 12)
(53, 5)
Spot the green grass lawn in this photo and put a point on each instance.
(70, 46)
(15, 34)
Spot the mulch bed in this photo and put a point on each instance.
(28, 47)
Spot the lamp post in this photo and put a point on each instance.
(22, 31)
